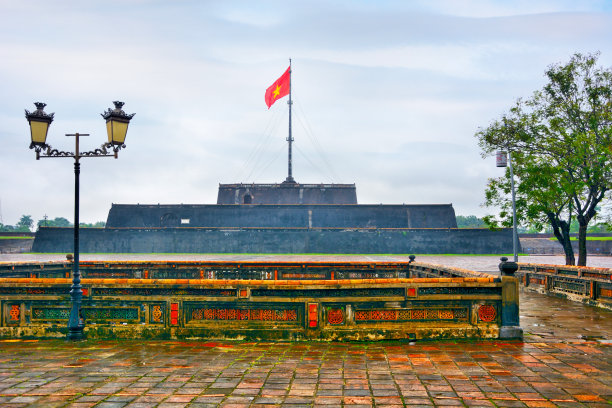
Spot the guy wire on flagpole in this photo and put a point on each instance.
(290, 138)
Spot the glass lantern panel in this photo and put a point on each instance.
(116, 131)
(39, 131)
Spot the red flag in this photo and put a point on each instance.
(279, 88)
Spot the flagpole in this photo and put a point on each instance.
(290, 138)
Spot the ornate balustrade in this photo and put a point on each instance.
(328, 301)
(209, 270)
(585, 284)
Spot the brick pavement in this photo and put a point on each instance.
(110, 374)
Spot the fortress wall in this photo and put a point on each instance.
(282, 216)
(287, 193)
(14, 246)
(201, 240)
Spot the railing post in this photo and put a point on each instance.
(510, 326)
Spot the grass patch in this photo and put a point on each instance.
(259, 254)
(14, 237)
(587, 238)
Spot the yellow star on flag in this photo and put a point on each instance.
(276, 91)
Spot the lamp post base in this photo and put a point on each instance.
(76, 334)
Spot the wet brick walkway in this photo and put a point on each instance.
(565, 360)
(199, 374)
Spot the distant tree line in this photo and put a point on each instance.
(63, 222)
(472, 221)
(26, 223)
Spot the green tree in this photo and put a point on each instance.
(56, 222)
(6, 228)
(99, 224)
(470, 221)
(63, 222)
(539, 200)
(560, 142)
(25, 224)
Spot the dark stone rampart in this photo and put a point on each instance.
(281, 240)
(282, 216)
(287, 193)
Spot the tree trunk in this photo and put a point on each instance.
(582, 251)
(566, 242)
(561, 230)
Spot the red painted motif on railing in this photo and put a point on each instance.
(335, 316)
(446, 314)
(14, 313)
(410, 314)
(417, 314)
(389, 314)
(32, 291)
(487, 313)
(313, 315)
(596, 275)
(174, 312)
(243, 314)
(157, 314)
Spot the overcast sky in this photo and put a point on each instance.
(387, 94)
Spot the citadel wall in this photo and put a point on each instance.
(276, 240)
(282, 216)
(287, 193)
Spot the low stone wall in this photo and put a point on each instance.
(545, 246)
(282, 240)
(312, 301)
(584, 284)
(16, 245)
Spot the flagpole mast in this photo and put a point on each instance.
(290, 138)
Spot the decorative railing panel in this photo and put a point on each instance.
(249, 270)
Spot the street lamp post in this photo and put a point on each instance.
(514, 227)
(515, 242)
(116, 126)
(504, 159)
